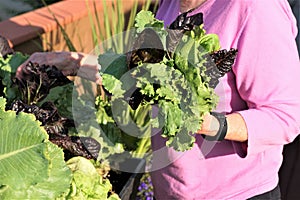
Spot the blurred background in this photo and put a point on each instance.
(10, 8)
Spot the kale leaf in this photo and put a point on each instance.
(174, 69)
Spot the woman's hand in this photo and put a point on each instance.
(236, 127)
(69, 63)
(210, 125)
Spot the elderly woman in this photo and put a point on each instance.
(260, 102)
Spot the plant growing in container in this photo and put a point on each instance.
(122, 102)
(44, 93)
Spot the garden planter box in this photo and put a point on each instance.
(126, 183)
(38, 31)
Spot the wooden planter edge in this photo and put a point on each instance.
(24, 31)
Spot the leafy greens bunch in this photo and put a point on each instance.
(32, 167)
(172, 69)
(38, 160)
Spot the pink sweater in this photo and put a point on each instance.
(264, 87)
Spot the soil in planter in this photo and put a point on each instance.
(118, 180)
(125, 183)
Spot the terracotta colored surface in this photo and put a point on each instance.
(38, 31)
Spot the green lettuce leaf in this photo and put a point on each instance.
(61, 96)
(8, 68)
(113, 64)
(178, 84)
(181, 108)
(87, 183)
(113, 85)
(146, 19)
(31, 167)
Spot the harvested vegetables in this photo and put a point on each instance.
(175, 69)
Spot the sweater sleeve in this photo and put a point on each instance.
(267, 74)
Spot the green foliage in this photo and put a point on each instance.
(2, 103)
(146, 19)
(8, 68)
(87, 183)
(116, 32)
(181, 103)
(177, 85)
(205, 42)
(31, 167)
(62, 98)
(113, 64)
(123, 129)
(123, 122)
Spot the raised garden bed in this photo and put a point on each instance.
(126, 183)
(123, 175)
(37, 30)
(11, 8)
(28, 36)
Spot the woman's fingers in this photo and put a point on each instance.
(69, 63)
(89, 72)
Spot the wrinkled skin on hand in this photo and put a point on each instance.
(69, 63)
